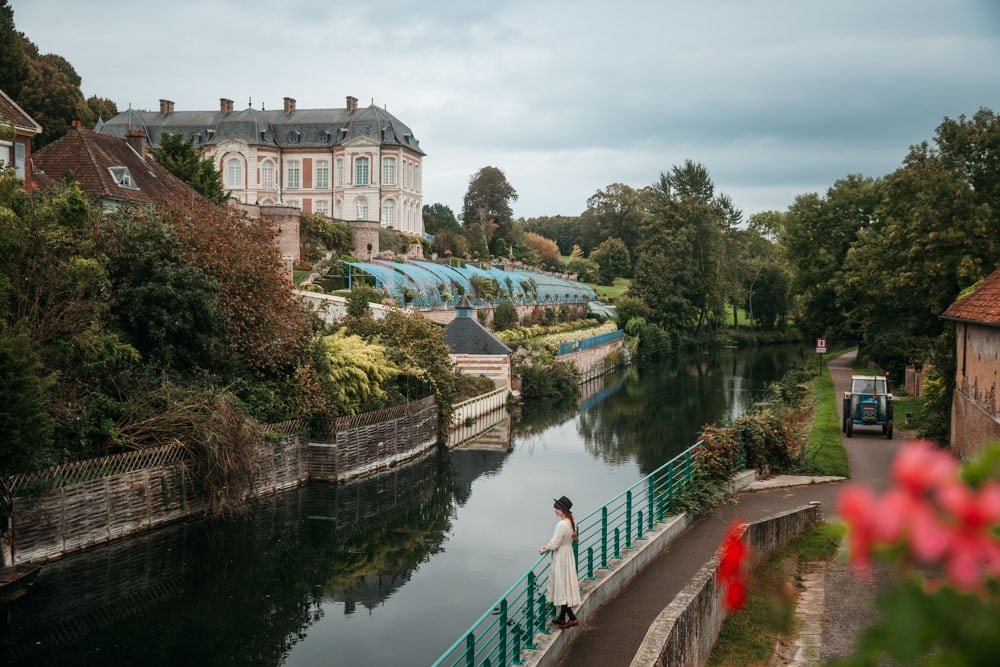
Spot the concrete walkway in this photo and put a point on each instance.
(611, 636)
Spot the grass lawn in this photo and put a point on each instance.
(825, 453)
(298, 276)
(610, 292)
(748, 635)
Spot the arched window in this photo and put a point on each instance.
(234, 173)
(267, 175)
(388, 171)
(362, 209)
(322, 174)
(361, 171)
(294, 175)
(389, 213)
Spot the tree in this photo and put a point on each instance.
(678, 273)
(546, 249)
(486, 203)
(51, 95)
(167, 308)
(440, 218)
(101, 108)
(182, 160)
(937, 233)
(619, 211)
(13, 66)
(266, 328)
(612, 259)
(25, 391)
(815, 237)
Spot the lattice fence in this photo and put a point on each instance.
(380, 439)
(68, 507)
(77, 472)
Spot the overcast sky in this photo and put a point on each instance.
(776, 98)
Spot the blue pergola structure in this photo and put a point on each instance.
(427, 283)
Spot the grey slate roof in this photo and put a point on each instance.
(299, 128)
(464, 335)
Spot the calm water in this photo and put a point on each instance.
(387, 571)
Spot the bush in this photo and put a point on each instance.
(551, 380)
(359, 298)
(766, 442)
(504, 316)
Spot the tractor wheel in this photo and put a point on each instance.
(888, 430)
(850, 428)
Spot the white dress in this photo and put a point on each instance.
(564, 587)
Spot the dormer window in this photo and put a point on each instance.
(267, 135)
(389, 134)
(343, 133)
(293, 137)
(123, 177)
(196, 138)
(323, 136)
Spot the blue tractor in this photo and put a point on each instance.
(868, 403)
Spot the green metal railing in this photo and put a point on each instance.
(497, 638)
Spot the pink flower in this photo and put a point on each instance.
(929, 538)
(920, 465)
(932, 512)
(856, 506)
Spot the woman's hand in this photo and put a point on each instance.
(543, 549)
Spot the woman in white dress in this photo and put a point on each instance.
(564, 586)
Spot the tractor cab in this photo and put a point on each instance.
(868, 403)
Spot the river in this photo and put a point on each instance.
(386, 571)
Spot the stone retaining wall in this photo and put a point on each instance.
(685, 631)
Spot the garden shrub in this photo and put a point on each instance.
(766, 442)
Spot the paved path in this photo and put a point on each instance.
(611, 636)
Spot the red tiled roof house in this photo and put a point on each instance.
(17, 129)
(111, 170)
(975, 413)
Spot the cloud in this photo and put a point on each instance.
(568, 97)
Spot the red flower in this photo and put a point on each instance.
(732, 566)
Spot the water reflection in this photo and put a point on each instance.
(383, 571)
(243, 592)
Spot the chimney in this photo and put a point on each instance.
(225, 106)
(289, 105)
(166, 106)
(135, 139)
(352, 103)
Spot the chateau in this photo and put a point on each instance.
(353, 164)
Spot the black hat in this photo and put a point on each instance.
(564, 503)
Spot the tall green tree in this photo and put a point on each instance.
(13, 66)
(619, 211)
(816, 234)
(182, 160)
(440, 218)
(167, 308)
(52, 96)
(101, 108)
(612, 259)
(487, 203)
(937, 233)
(680, 265)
